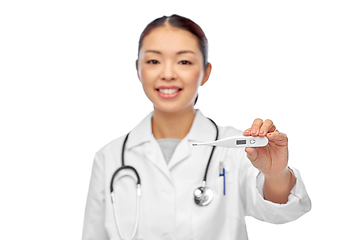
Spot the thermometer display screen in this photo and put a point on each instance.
(240, 142)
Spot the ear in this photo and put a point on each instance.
(137, 68)
(206, 74)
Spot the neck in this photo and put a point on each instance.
(172, 125)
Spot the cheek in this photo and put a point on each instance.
(145, 77)
(195, 78)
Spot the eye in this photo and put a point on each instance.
(185, 62)
(153, 61)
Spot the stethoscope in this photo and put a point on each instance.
(203, 195)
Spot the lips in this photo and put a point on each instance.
(168, 91)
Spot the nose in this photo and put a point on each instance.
(168, 72)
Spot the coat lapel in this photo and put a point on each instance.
(141, 136)
(201, 130)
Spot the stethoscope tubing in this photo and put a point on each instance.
(138, 186)
(138, 193)
(212, 152)
(122, 168)
(114, 203)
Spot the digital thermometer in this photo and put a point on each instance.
(236, 142)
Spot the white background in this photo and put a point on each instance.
(69, 86)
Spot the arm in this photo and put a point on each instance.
(277, 187)
(277, 194)
(94, 227)
(252, 182)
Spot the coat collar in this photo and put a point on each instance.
(202, 129)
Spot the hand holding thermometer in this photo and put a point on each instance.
(237, 142)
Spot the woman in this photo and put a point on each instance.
(172, 65)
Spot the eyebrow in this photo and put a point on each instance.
(181, 52)
(186, 51)
(153, 51)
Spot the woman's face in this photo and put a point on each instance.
(170, 68)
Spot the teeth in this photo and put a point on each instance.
(168, 91)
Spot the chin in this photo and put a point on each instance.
(171, 108)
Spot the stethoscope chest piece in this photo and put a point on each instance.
(203, 196)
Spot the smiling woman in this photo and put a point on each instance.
(171, 66)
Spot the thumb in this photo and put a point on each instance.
(252, 154)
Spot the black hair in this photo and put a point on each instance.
(182, 23)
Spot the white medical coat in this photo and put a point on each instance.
(167, 208)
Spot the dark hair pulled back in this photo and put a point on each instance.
(182, 23)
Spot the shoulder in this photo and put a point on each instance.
(141, 132)
(202, 122)
(113, 146)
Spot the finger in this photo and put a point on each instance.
(278, 137)
(266, 127)
(273, 129)
(255, 128)
(251, 154)
(247, 132)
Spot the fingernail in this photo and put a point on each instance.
(254, 131)
(262, 131)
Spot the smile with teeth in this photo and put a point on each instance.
(169, 90)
